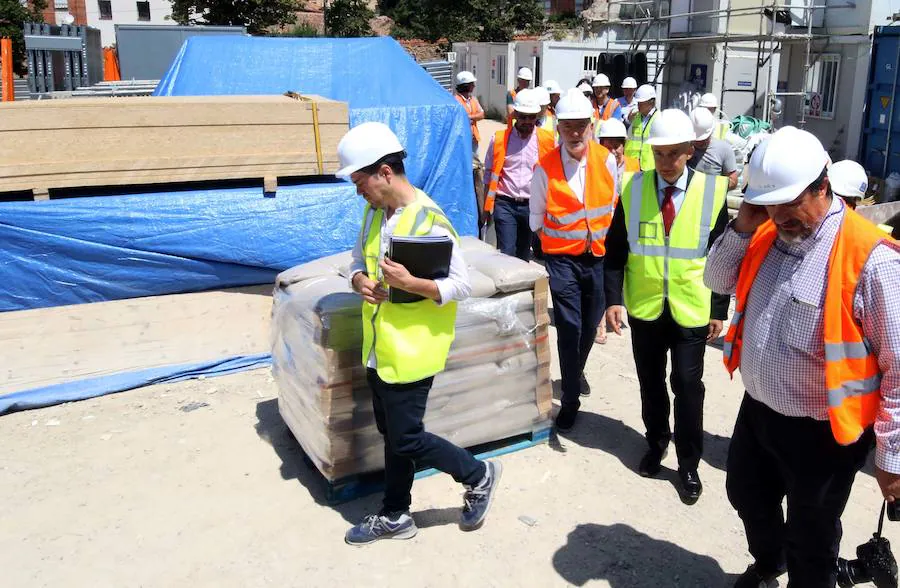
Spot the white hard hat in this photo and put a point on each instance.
(671, 127)
(543, 96)
(465, 77)
(583, 87)
(783, 165)
(365, 144)
(553, 87)
(525, 74)
(704, 123)
(644, 93)
(574, 106)
(600, 80)
(527, 102)
(709, 100)
(629, 82)
(848, 179)
(612, 129)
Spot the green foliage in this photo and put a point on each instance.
(301, 30)
(463, 20)
(256, 15)
(12, 16)
(348, 18)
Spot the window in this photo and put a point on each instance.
(591, 62)
(105, 9)
(143, 9)
(61, 4)
(501, 70)
(821, 87)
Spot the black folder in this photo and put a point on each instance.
(425, 257)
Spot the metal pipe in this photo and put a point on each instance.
(887, 144)
(769, 71)
(809, 19)
(725, 55)
(720, 11)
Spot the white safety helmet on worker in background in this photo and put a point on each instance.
(848, 179)
(542, 95)
(783, 166)
(601, 81)
(525, 74)
(672, 127)
(526, 102)
(645, 93)
(708, 100)
(612, 128)
(552, 87)
(584, 88)
(629, 83)
(574, 106)
(465, 77)
(365, 144)
(704, 123)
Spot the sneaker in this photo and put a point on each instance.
(585, 387)
(381, 526)
(477, 500)
(565, 419)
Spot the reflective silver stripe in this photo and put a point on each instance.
(634, 213)
(736, 318)
(599, 211)
(568, 235)
(366, 227)
(422, 217)
(568, 218)
(706, 219)
(853, 388)
(726, 349)
(839, 351)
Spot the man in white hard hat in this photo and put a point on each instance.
(848, 180)
(711, 103)
(626, 100)
(711, 156)
(815, 334)
(663, 227)
(523, 81)
(605, 107)
(405, 345)
(554, 91)
(637, 146)
(612, 135)
(465, 95)
(543, 98)
(572, 195)
(511, 157)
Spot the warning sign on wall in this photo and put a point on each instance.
(885, 100)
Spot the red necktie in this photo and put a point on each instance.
(668, 208)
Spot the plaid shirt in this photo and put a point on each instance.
(783, 353)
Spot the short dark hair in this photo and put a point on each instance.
(392, 160)
(816, 184)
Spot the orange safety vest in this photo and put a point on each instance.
(472, 106)
(852, 376)
(632, 164)
(572, 227)
(546, 144)
(607, 111)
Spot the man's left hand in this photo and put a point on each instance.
(889, 484)
(715, 329)
(396, 275)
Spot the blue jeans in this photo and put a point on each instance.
(511, 224)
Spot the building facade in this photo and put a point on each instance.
(106, 14)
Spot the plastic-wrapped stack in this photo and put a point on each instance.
(496, 383)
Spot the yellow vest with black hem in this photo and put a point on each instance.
(661, 268)
(636, 146)
(411, 340)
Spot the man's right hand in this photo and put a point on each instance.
(485, 218)
(749, 217)
(615, 317)
(371, 291)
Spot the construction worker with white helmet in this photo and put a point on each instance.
(543, 98)
(848, 180)
(636, 146)
(553, 91)
(665, 223)
(711, 156)
(524, 77)
(510, 159)
(816, 336)
(465, 95)
(626, 100)
(711, 103)
(572, 195)
(405, 345)
(612, 135)
(605, 107)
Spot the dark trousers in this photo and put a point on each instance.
(399, 410)
(651, 342)
(511, 224)
(576, 287)
(772, 456)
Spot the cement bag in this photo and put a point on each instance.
(332, 265)
(510, 274)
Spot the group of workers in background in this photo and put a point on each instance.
(628, 204)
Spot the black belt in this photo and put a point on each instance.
(511, 199)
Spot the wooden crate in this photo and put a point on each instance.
(149, 140)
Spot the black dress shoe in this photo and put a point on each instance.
(755, 577)
(565, 419)
(691, 486)
(650, 463)
(585, 387)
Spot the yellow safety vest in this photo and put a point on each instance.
(722, 129)
(660, 267)
(549, 124)
(636, 146)
(411, 340)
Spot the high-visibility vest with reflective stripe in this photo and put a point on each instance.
(607, 111)
(721, 130)
(470, 106)
(632, 164)
(546, 143)
(661, 268)
(852, 375)
(636, 144)
(411, 340)
(549, 123)
(572, 227)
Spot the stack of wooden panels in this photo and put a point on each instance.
(148, 140)
(496, 383)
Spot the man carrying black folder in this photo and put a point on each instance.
(406, 335)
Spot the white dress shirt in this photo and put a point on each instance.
(680, 190)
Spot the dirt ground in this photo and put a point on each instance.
(200, 484)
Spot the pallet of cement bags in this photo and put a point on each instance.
(496, 384)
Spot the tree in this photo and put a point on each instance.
(256, 15)
(12, 16)
(463, 20)
(348, 18)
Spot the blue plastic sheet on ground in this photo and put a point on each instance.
(93, 387)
